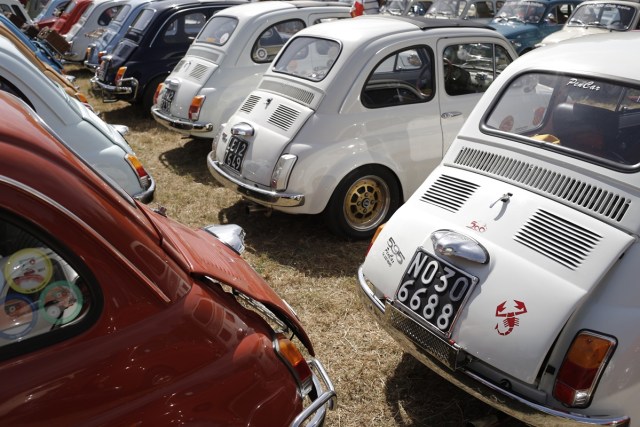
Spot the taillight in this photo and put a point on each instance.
(87, 53)
(582, 367)
(194, 108)
(157, 93)
(296, 362)
(373, 239)
(143, 176)
(101, 54)
(120, 74)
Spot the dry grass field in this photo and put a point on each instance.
(377, 384)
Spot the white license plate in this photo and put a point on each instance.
(434, 290)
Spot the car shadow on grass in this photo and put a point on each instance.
(180, 160)
(299, 241)
(418, 396)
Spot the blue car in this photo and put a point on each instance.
(116, 29)
(527, 22)
(42, 51)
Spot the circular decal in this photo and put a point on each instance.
(537, 116)
(224, 38)
(28, 270)
(60, 302)
(261, 54)
(507, 124)
(17, 316)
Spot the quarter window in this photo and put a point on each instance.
(218, 30)
(273, 38)
(471, 68)
(40, 292)
(184, 28)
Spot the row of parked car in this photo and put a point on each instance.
(501, 191)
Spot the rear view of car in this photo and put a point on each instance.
(511, 271)
(129, 317)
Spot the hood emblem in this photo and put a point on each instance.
(267, 102)
(510, 320)
(504, 199)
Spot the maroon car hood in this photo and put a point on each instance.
(202, 254)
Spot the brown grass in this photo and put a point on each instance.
(377, 384)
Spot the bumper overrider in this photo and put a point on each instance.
(435, 353)
(177, 123)
(146, 196)
(314, 414)
(126, 89)
(250, 191)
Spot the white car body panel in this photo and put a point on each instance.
(558, 226)
(226, 74)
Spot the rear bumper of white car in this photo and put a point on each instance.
(433, 353)
(249, 191)
(187, 126)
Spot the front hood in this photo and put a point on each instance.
(186, 79)
(202, 254)
(545, 258)
(512, 29)
(571, 32)
(276, 120)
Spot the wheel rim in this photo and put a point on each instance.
(366, 203)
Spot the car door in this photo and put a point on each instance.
(467, 67)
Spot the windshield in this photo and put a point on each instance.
(580, 117)
(605, 15)
(521, 11)
(217, 30)
(446, 8)
(308, 57)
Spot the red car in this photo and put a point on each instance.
(112, 314)
(70, 15)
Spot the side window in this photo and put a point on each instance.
(105, 18)
(471, 68)
(7, 86)
(405, 77)
(481, 9)
(40, 292)
(184, 28)
(273, 38)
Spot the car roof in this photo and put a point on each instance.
(633, 3)
(162, 5)
(254, 9)
(595, 55)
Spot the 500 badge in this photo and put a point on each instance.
(392, 254)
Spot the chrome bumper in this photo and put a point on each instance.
(313, 415)
(146, 196)
(473, 384)
(129, 91)
(179, 124)
(255, 194)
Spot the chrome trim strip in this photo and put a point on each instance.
(479, 387)
(255, 194)
(170, 121)
(327, 397)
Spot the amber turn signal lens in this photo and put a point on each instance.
(157, 93)
(373, 239)
(120, 74)
(194, 108)
(290, 353)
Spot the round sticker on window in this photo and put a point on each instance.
(224, 38)
(261, 54)
(28, 270)
(61, 302)
(17, 316)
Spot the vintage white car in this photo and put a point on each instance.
(228, 58)
(101, 145)
(354, 114)
(511, 271)
(597, 17)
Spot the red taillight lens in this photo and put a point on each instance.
(582, 367)
(157, 93)
(196, 105)
(120, 74)
(296, 361)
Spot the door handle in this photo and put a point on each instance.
(450, 114)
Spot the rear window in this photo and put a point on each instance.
(572, 114)
(142, 20)
(309, 58)
(218, 30)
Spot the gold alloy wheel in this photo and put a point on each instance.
(366, 203)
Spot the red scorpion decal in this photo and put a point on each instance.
(510, 320)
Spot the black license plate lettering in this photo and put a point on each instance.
(167, 99)
(434, 290)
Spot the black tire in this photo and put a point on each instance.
(364, 199)
(147, 96)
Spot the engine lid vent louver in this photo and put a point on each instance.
(198, 71)
(301, 95)
(449, 193)
(558, 239)
(249, 103)
(548, 181)
(283, 117)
